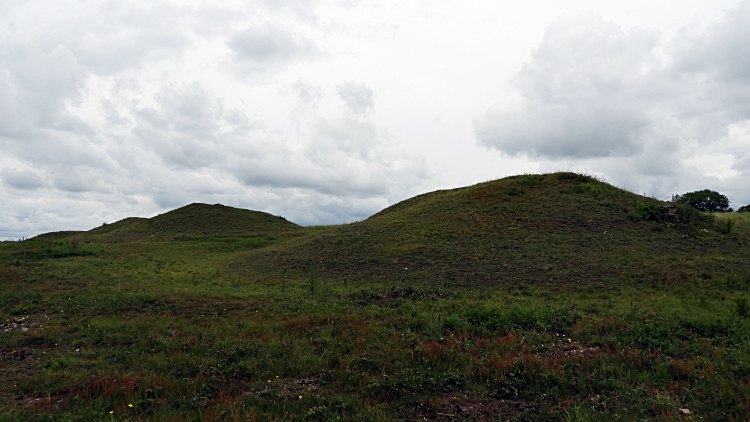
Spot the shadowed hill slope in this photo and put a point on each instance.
(194, 220)
(552, 229)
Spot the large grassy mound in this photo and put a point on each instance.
(194, 220)
(543, 229)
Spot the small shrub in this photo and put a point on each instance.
(455, 322)
(596, 189)
(741, 307)
(688, 215)
(313, 286)
(22, 309)
(650, 212)
(515, 191)
(728, 224)
(532, 180)
(574, 177)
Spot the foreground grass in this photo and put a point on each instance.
(165, 331)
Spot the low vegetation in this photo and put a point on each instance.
(531, 298)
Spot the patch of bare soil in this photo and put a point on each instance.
(14, 354)
(565, 348)
(467, 407)
(17, 324)
(285, 386)
(39, 403)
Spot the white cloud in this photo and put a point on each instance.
(110, 37)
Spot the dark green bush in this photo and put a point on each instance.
(650, 212)
(741, 307)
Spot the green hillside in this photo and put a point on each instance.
(526, 230)
(531, 298)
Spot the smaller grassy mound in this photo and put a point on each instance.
(216, 220)
(191, 221)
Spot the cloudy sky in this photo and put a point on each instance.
(328, 111)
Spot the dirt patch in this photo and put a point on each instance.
(285, 386)
(565, 348)
(14, 354)
(17, 324)
(22, 324)
(465, 406)
(39, 403)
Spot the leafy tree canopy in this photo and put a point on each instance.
(745, 208)
(705, 200)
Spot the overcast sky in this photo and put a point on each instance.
(326, 112)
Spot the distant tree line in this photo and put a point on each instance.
(708, 201)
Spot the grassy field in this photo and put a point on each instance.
(531, 298)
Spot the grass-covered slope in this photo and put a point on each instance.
(435, 322)
(535, 229)
(194, 220)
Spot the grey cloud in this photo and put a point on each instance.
(46, 67)
(742, 163)
(183, 130)
(172, 198)
(269, 43)
(713, 67)
(26, 179)
(37, 86)
(593, 90)
(307, 97)
(344, 157)
(347, 182)
(584, 94)
(72, 181)
(722, 51)
(48, 63)
(118, 35)
(307, 94)
(190, 129)
(112, 114)
(355, 164)
(358, 97)
(557, 131)
(353, 137)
